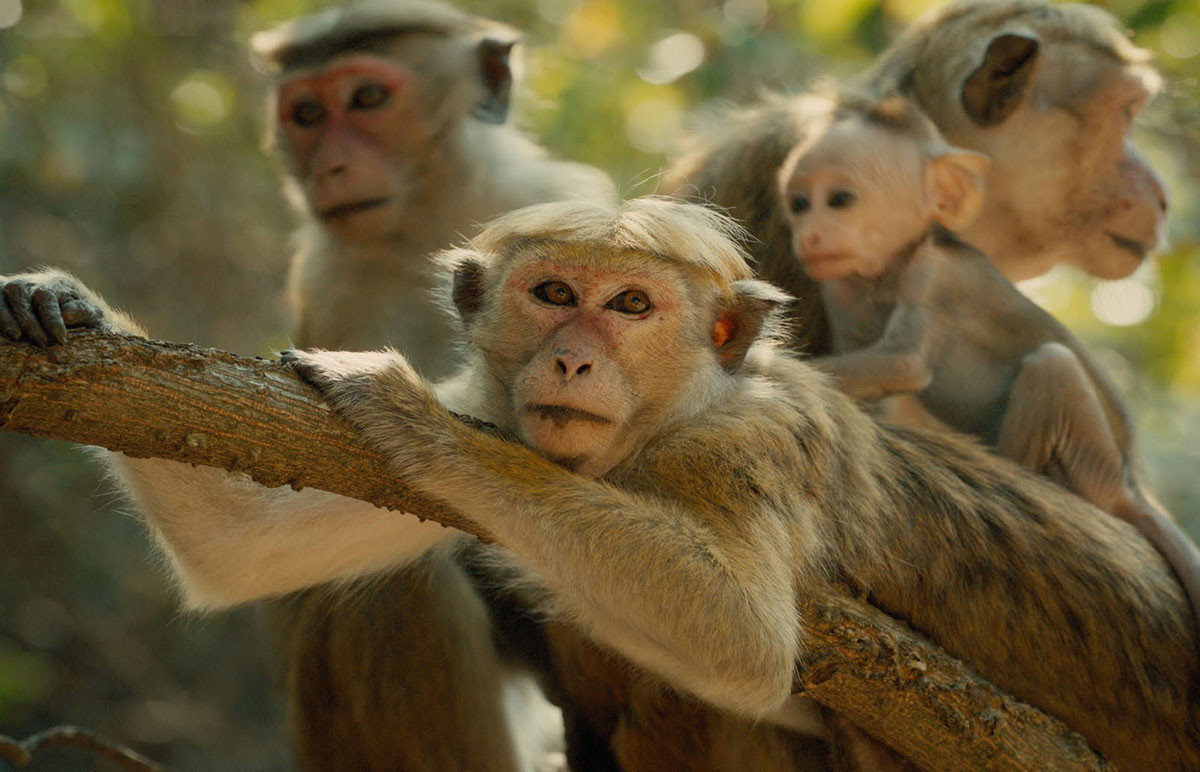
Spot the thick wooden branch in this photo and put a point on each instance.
(151, 399)
(919, 700)
(22, 753)
(181, 402)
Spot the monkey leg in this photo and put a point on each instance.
(620, 718)
(1056, 425)
(399, 675)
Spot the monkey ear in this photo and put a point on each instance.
(995, 89)
(754, 312)
(954, 186)
(496, 72)
(466, 289)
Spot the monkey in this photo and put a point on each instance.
(874, 196)
(391, 122)
(1048, 91)
(681, 477)
(323, 288)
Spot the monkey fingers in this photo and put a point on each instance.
(80, 312)
(19, 297)
(362, 386)
(327, 369)
(8, 324)
(350, 379)
(47, 304)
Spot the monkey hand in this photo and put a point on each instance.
(380, 394)
(40, 306)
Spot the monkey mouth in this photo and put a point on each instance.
(819, 260)
(561, 414)
(821, 257)
(824, 266)
(1135, 248)
(345, 210)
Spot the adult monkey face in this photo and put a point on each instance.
(361, 125)
(343, 123)
(1051, 94)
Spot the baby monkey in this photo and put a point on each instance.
(873, 195)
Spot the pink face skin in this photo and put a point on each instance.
(345, 125)
(601, 347)
(1068, 184)
(855, 198)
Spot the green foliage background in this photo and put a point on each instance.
(130, 154)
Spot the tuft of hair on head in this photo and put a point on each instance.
(363, 26)
(831, 102)
(889, 110)
(688, 235)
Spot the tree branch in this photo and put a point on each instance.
(185, 403)
(22, 753)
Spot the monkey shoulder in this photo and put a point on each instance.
(766, 447)
(977, 301)
(520, 173)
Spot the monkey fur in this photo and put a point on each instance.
(705, 476)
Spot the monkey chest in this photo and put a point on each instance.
(969, 389)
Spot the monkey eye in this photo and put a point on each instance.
(630, 302)
(556, 293)
(842, 199)
(369, 96)
(800, 204)
(307, 113)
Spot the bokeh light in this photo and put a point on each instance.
(1122, 303)
(201, 102)
(672, 57)
(10, 13)
(592, 27)
(1180, 35)
(25, 77)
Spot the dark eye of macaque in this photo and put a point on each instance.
(556, 293)
(800, 204)
(842, 199)
(308, 113)
(369, 96)
(630, 302)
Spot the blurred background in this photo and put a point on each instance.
(130, 154)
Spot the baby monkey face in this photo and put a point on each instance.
(855, 197)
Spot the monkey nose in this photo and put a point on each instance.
(570, 366)
(335, 169)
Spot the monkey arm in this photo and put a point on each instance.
(898, 363)
(227, 539)
(616, 558)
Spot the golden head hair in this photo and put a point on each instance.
(686, 234)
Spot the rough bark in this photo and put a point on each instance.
(182, 402)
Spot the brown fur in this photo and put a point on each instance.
(913, 310)
(1024, 231)
(686, 556)
(752, 484)
(733, 165)
(405, 673)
